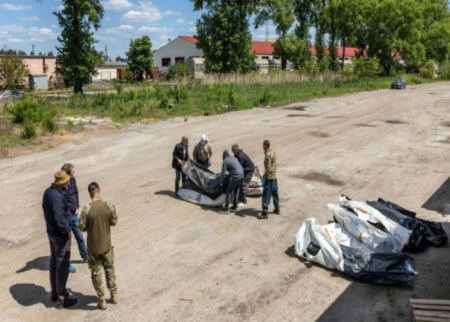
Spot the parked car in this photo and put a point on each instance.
(398, 84)
(8, 94)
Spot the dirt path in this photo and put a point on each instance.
(178, 262)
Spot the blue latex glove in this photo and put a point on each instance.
(263, 179)
(209, 164)
(221, 185)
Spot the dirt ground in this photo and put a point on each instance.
(176, 261)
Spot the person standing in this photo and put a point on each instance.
(59, 225)
(73, 202)
(203, 152)
(249, 170)
(236, 174)
(270, 184)
(180, 156)
(96, 219)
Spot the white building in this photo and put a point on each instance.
(178, 50)
(110, 70)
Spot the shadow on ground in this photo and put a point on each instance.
(367, 302)
(40, 263)
(440, 200)
(168, 193)
(28, 294)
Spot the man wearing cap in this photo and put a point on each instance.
(270, 183)
(203, 152)
(179, 156)
(59, 225)
(97, 218)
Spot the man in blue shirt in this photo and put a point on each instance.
(234, 170)
(73, 202)
(59, 226)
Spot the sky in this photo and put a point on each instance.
(24, 23)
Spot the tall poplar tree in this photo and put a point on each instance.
(77, 56)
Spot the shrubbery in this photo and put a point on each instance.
(427, 71)
(30, 114)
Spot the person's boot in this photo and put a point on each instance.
(276, 211)
(101, 303)
(264, 215)
(114, 298)
(68, 302)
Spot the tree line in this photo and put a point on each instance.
(414, 30)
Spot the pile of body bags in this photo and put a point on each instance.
(367, 240)
(204, 187)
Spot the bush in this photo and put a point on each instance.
(178, 70)
(48, 121)
(265, 99)
(26, 111)
(29, 130)
(427, 71)
(179, 92)
(445, 72)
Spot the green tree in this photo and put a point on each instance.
(140, 57)
(223, 34)
(436, 30)
(303, 11)
(394, 29)
(366, 68)
(50, 54)
(12, 71)
(295, 49)
(77, 56)
(319, 19)
(281, 12)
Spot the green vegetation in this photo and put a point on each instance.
(12, 71)
(140, 58)
(77, 56)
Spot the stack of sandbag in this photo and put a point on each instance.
(202, 187)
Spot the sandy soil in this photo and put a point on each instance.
(179, 262)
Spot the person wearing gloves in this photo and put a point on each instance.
(203, 152)
(180, 156)
(269, 181)
(236, 173)
(249, 170)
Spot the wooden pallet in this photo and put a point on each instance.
(430, 310)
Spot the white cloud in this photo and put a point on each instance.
(3, 34)
(192, 29)
(190, 22)
(15, 40)
(126, 27)
(41, 34)
(14, 7)
(180, 20)
(108, 18)
(30, 18)
(117, 4)
(165, 38)
(147, 12)
(152, 29)
(13, 28)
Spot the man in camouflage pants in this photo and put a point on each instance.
(97, 218)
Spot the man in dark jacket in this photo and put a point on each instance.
(179, 156)
(59, 225)
(73, 202)
(249, 170)
(236, 174)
